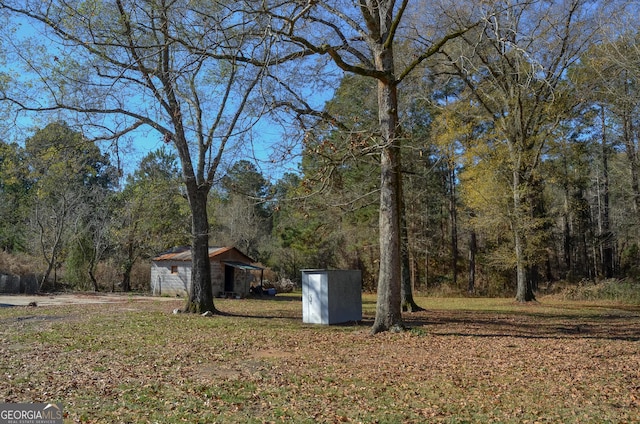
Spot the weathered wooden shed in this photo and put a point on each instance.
(232, 272)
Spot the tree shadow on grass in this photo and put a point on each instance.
(533, 326)
(597, 322)
(285, 297)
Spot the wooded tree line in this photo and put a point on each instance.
(490, 147)
(64, 202)
(519, 152)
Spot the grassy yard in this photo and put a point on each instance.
(464, 360)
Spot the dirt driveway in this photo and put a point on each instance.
(71, 298)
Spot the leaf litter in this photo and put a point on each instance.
(118, 363)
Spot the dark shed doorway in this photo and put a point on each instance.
(228, 278)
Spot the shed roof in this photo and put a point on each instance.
(183, 253)
(242, 265)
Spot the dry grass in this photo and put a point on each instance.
(464, 360)
(19, 265)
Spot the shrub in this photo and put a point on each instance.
(109, 276)
(627, 291)
(19, 264)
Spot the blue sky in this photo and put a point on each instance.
(134, 146)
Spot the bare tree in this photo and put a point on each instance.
(176, 67)
(361, 40)
(49, 225)
(66, 173)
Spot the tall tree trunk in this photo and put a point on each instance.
(521, 269)
(126, 272)
(379, 19)
(535, 204)
(631, 150)
(473, 248)
(200, 298)
(408, 304)
(128, 264)
(52, 256)
(524, 291)
(606, 249)
(585, 237)
(566, 218)
(632, 154)
(94, 281)
(566, 236)
(126, 279)
(453, 218)
(388, 306)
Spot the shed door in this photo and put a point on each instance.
(314, 300)
(228, 278)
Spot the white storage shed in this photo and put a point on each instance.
(331, 296)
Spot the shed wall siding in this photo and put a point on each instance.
(164, 283)
(243, 280)
(217, 277)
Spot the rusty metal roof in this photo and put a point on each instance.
(183, 253)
